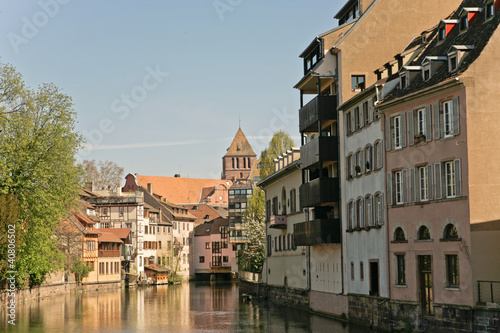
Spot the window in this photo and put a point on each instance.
(359, 163)
(361, 271)
(423, 233)
(401, 270)
(368, 211)
(357, 82)
(452, 279)
(293, 201)
(379, 209)
(225, 259)
(396, 133)
(366, 114)
(421, 130)
(352, 271)
(121, 211)
(399, 235)
(442, 32)
(357, 119)
(368, 158)
(450, 179)
(350, 166)
(450, 232)
(398, 181)
(359, 213)
(490, 9)
(464, 21)
(402, 80)
(452, 62)
(351, 217)
(275, 206)
(423, 183)
(448, 118)
(207, 245)
(348, 123)
(146, 229)
(104, 211)
(426, 71)
(269, 246)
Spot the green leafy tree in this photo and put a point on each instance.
(38, 144)
(79, 268)
(252, 258)
(101, 173)
(280, 143)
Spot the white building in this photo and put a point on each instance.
(286, 264)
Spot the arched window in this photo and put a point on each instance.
(237, 163)
(233, 161)
(248, 163)
(424, 233)
(399, 235)
(450, 232)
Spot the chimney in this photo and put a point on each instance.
(177, 175)
(118, 191)
(88, 186)
(150, 188)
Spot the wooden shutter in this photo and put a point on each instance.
(458, 178)
(389, 188)
(404, 175)
(346, 122)
(428, 124)
(370, 110)
(382, 207)
(430, 182)
(456, 116)
(413, 185)
(411, 127)
(437, 180)
(403, 130)
(362, 221)
(380, 153)
(388, 141)
(436, 126)
(353, 121)
(362, 161)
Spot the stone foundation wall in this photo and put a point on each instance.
(54, 290)
(395, 315)
(329, 304)
(297, 298)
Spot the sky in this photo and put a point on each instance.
(160, 87)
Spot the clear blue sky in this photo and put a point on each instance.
(160, 86)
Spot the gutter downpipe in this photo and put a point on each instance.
(340, 205)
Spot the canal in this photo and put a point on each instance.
(190, 307)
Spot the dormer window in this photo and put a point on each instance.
(464, 22)
(402, 80)
(426, 70)
(490, 9)
(452, 62)
(442, 32)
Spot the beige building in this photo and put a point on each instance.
(286, 264)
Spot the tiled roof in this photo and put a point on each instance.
(108, 237)
(177, 189)
(121, 233)
(211, 227)
(240, 146)
(477, 34)
(156, 268)
(203, 210)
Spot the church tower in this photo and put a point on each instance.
(239, 159)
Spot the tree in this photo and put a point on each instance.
(280, 143)
(102, 173)
(38, 144)
(252, 258)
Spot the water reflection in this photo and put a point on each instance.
(191, 307)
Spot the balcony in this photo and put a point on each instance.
(321, 108)
(320, 191)
(321, 149)
(320, 231)
(278, 222)
(109, 253)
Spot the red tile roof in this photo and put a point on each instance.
(108, 237)
(179, 190)
(121, 233)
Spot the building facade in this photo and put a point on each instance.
(239, 158)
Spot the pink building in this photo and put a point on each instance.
(213, 255)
